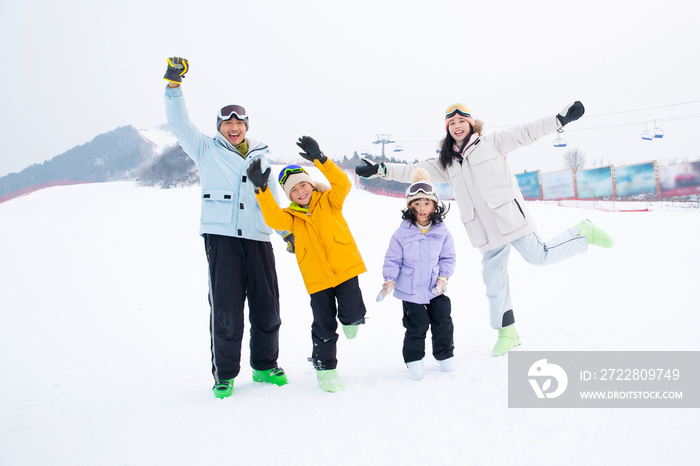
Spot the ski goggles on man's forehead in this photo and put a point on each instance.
(462, 109)
(231, 110)
(289, 171)
(415, 188)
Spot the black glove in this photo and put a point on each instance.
(257, 176)
(571, 112)
(370, 169)
(289, 239)
(311, 150)
(177, 67)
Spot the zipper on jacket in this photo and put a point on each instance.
(461, 157)
(519, 208)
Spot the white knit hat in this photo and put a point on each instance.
(421, 187)
(291, 175)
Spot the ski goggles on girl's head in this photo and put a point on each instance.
(462, 109)
(289, 171)
(231, 110)
(415, 188)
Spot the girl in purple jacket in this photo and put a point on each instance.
(420, 259)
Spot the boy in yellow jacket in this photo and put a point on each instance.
(325, 249)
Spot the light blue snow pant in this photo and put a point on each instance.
(534, 251)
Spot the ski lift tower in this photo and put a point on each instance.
(383, 139)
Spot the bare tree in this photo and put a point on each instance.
(575, 159)
(601, 162)
(173, 168)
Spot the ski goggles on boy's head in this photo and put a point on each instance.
(289, 171)
(232, 110)
(415, 188)
(454, 109)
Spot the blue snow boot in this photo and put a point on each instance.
(275, 376)
(223, 388)
(595, 235)
(508, 339)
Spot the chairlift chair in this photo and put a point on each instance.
(646, 134)
(559, 141)
(398, 147)
(658, 132)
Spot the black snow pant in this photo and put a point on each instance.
(240, 268)
(417, 318)
(350, 311)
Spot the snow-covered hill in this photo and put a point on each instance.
(104, 345)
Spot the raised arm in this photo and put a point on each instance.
(190, 138)
(339, 181)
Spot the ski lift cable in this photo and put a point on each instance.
(634, 123)
(351, 146)
(620, 112)
(642, 109)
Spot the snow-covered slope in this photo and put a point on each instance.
(104, 345)
(159, 137)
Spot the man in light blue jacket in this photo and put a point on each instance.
(236, 238)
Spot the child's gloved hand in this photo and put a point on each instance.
(311, 150)
(387, 288)
(441, 286)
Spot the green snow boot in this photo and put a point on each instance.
(329, 380)
(223, 388)
(594, 235)
(508, 339)
(350, 331)
(275, 376)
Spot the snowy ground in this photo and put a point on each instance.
(104, 345)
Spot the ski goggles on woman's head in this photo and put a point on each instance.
(289, 171)
(415, 188)
(231, 110)
(454, 109)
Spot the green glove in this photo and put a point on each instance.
(289, 239)
(177, 67)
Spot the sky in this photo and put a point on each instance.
(345, 72)
(105, 360)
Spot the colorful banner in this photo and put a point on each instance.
(594, 183)
(681, 179)
(558, 185)
(635, 179)
(445, 192)
(529, 184)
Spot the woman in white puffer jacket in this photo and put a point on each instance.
(491, 205)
